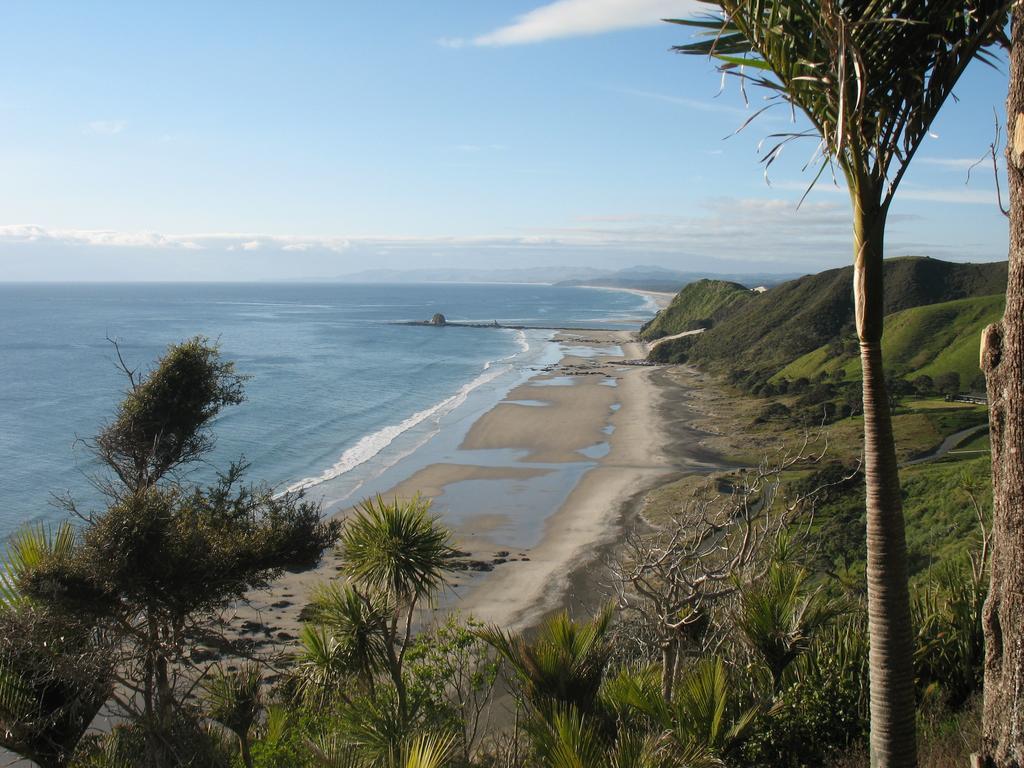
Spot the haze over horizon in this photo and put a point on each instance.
(315, 141)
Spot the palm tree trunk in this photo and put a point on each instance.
(893, 734)
(1002, 358)
(243, 745)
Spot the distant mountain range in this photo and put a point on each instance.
(647, 278)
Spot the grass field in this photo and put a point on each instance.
(921, 341)
(941, 523)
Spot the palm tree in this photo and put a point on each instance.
(563, 666)
(234, 699)
(871, 77)
(780, 615)
(395, 554)
(703, 723)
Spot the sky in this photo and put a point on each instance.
(308, 140)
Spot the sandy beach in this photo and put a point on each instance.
(591, 516)
(568, 454)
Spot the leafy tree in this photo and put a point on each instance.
(164, 557)
(923, 384)
(163, 421)
(453, 674)
(871, 78)
(948, 383)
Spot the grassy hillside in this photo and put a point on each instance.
(928, 340)
(769, 331)
(697, 305)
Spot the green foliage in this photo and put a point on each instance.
(234, 698)
(184, 743)
(568, 739)
(704, 724)
(813, 315)
(55, 675)
(780, 614)
(176, 552)
(55, 669)
(164, 419)
(422, 751)
(354, 627)
(950, 650)
(926, 341)
(942, 526)
(285, 739)
(322, 666)
(695, 306)
(563, 665)
(452, 674)
(396, 548)
(823, 710)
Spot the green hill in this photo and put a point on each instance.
(930, 340)
(769, 331)
(696, 306)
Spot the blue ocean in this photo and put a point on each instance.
(338, 396)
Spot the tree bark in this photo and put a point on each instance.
(891, 671)
(669, 653)
(1002, 359)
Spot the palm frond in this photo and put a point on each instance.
(330, 750)
(277, 723)
(427, 751)
(28, 550)
(564, 663)
(567, 739)
(870, 76)
(357, 624)
(397, 548)
(234, 697)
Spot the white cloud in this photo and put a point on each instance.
(106, 127)
(765, 229)
(962, 195)
(950, 163)
(575, 18)
(709, 105)
(763, 232)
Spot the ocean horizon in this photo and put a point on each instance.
(339, 397)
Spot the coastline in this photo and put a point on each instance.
(659, 299)
(548, 476)
(589, 518)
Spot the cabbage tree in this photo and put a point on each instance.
(870, 76)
